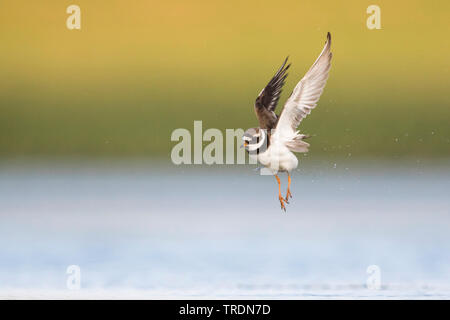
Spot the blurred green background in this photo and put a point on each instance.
(137, 70)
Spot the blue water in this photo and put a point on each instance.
(145, 231)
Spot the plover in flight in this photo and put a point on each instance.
(277, 137)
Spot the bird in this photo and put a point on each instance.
(276, 139)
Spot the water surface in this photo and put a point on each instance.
(152, 232)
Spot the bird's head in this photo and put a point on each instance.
(254, 139)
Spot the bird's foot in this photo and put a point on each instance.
(288, 194)
(282, 201)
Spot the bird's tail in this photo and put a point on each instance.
(297, 144)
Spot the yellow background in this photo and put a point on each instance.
(139, 69)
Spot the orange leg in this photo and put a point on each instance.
(288, 193)
(279, 194)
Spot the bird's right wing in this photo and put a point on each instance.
(267, 100)
(305, 96)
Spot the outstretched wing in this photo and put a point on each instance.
(305, 95)
(267, 100)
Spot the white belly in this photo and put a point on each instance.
(278, 158)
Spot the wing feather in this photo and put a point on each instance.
(267, 100)
(305, 95)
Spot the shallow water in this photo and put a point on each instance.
(151, 232)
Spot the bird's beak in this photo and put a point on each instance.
(244, 144)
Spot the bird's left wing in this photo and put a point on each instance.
(267, 100)
(305, 95)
